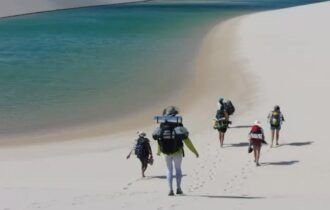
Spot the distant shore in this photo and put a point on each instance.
(12, 8)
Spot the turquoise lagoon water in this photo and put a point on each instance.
(96, 64)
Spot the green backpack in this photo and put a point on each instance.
(275, 118)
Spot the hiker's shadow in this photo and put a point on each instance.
(162, 176)
(156, 177)
(227, 197)
(240, 144)
(280, 163)
(298, 144)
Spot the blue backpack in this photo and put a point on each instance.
(141, 148)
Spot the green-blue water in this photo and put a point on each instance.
(94, 64)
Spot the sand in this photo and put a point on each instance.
(277, 57)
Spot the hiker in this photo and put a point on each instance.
(142, 150)
(256, 138)
(275, 119)
(222, 121)
(171, 137)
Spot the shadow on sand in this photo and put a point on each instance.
(298, 144)
(227, 197)
(161, 177)
(241, 144)
(280, 163)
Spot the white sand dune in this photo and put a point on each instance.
(277, 57)
(19, 7)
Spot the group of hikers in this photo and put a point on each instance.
(171, 137)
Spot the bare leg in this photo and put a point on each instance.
(144, 165)
(257, 154)
(272, 134)
(277, 136)
(221, 137)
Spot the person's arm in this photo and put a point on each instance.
(129, 154)
(190, 146)
(149, 149)
(263, 134)
(158, 150)
(132, 149)
(269, 116)
(217, 115)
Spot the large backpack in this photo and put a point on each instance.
(230, 107)
(169, 141)
(275, 118)
(141, 147)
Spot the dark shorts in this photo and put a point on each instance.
(275, 127)
(256, 142)
(144, 160)
(223, 126)
(223, 129)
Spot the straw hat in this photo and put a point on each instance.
(257, 122)
(141, 133)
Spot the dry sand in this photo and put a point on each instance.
(278, 57)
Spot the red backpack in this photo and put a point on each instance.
(256, 133)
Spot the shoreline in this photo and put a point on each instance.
(200, 89)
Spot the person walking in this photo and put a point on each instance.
(222, 118)
(275, 119)
(256, 138)
(171, 136)
(142, 151)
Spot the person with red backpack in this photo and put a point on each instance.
(256, 137)
(275, 119)
(142, 150)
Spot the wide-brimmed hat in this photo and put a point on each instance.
(141, 133)
(257, 122)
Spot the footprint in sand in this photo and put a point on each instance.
(128, 185)
(212, 175)
(39, 205)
